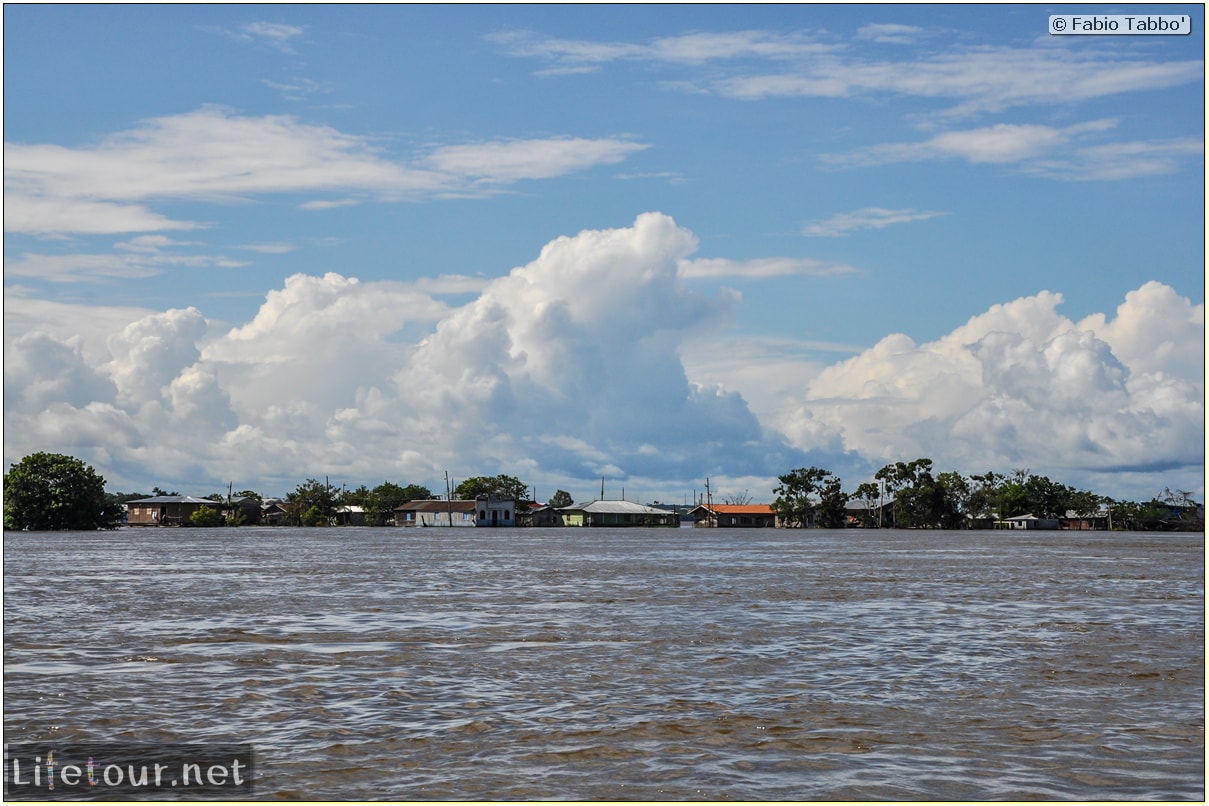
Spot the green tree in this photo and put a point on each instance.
(986, 495)
(381, 501)
(206, 516)
(355, 498)
(313, 503)
(561, 498)
(913, 488)
(1046, 498)
(870, 495)
(51, 491)
(831, 512)
(953, 501)
(314, 516)
(500, 486)
(809, 496)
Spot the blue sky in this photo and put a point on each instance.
(264, 243)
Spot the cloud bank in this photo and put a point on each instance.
(570, 368)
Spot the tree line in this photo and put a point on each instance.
(46, 491)
(909, 495)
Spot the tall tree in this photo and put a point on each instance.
(831, 512)
(500, 486)
(313, 503)
(807, 496)
(51, 491)
(911, 484)
(953, 501)
(561, 498)
(986, 496)
(381, 501)
(870, 495)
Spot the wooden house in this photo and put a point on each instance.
(734, 516)
(166, 510)
(484, 511)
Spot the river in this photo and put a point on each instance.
(605, 664)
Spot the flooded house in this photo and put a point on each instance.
(166, 510)
(617, 513)
(734, 516)
(484, 511)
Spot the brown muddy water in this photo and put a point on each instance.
(598, 664)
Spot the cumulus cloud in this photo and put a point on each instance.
(212, 155)
(1021, 385)
(567, 368)
(595, 358)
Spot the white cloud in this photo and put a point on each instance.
(568, 367)
(595, 358)
(1020, 385)
(274, 34)
(48, 215)
(1055, 153)
(505, 162)
(150, 353)
(987, 79)
(762, 267)
(1128, 160)
(866, 218)
(573, 55)
(890, 33)
(139, 257)
(269, 248)
(1000, 144)
(979, 79)
(328, 204)
(213, 155)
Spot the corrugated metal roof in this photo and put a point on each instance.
(616, 508)
(437, 505)
(175, 499)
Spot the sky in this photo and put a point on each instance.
(253, 245)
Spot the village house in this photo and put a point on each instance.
(166, 510)
(742, 516)
(484, 511)
(1027, 522)
(617, 513)
(546, 515)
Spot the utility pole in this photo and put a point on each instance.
(448, 500)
